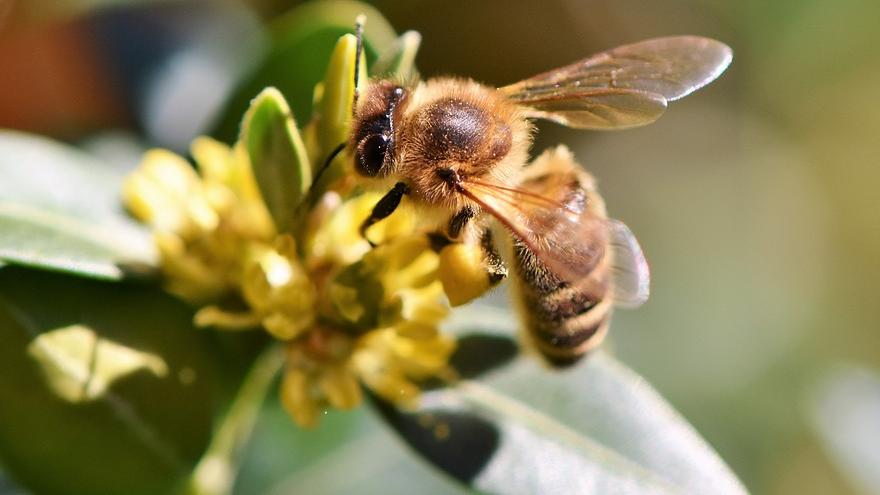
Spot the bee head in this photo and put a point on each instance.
(373, 138)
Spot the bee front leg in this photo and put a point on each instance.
(384, 207)
(494, 265)
(459, 221)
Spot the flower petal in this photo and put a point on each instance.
(341, 387)
(297, 398)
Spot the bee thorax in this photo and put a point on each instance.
(454, 130)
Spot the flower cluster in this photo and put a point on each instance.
(234, 243)
(348, 313)
(203, 221)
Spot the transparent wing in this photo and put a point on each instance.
(598, 108)
(623, 87)
(569, 241)
(629, 269)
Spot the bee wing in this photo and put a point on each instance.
(570, 242)
(632, 278)
(623, 87)
(599, 109)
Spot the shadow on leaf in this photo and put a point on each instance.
(478, 354)
(459, 443)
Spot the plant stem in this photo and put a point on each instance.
(216, 471)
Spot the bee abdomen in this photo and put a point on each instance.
(564, 321)
(565, 342)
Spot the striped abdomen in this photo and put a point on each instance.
(565, 318)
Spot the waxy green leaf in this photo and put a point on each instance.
(595, 428)
(278, 156)
(106, 388)
(337, 94)
(60, 209)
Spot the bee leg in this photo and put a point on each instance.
(468, 269)
(384, 207)
(459, 221)
(438, 241)
(495, 267)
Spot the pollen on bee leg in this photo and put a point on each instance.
(463, 273)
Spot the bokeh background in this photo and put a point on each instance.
(755, 199)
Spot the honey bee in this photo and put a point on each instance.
(459, 149)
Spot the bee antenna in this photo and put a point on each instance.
(310, 199)
(359, 35)
(333, 154)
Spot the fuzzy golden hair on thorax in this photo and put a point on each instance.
(464, 126)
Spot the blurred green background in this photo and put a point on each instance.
(755, 199)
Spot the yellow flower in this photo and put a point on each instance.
(349, 313)
(379, 326)
(204, 221)
(392, 360)
(336, 240)
(324, 369)
(317, 375)
(279, 290)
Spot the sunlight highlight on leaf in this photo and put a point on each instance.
(80, 367)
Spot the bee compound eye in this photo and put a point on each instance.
(371, 154)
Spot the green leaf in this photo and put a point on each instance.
(80, 366)
(301, 44)
(335, 99)
(278, 156)
(149, 385)
(60, 210)
(595, 428)
(337, 457)
(399, 60)
(337, 95)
